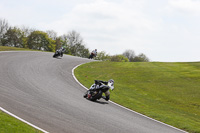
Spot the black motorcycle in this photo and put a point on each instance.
(59, 52)
(95, 93)
(92, 55)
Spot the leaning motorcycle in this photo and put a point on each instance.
(59, 52)
(94, 93)
(91, 56)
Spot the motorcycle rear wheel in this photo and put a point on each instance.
(97, 96)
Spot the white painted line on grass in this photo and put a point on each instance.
(2, 109)
(123, 106)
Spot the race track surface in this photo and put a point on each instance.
(41, 90)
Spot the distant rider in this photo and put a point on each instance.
(104, 86)
(93, 54)
(61, 51)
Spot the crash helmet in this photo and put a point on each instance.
(111, 84)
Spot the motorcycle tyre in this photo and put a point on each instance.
(97, 96)
(55, 56)
(91, 56)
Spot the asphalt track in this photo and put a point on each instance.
(41, 90)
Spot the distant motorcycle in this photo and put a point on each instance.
(95, 93)
(93, 54)
(59, 52)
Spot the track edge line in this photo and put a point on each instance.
(11, 114)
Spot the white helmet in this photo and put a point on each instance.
(111, 84)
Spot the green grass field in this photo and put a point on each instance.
(5, 48)
(168, 92)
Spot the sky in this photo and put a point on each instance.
(164, 30)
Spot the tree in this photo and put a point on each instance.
(13, 37)
(74, 38)
(79, 50)
(141, 58)
(3, 29)
(52, 34)
(40, 41)
(130, 54)
(76, 46)
(58, 43)
(83, 51)
(102, 56)
(26, 31)
(64, 42)
(119, 58)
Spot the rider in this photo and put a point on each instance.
(61, 50)
(93, 54)
(105, 86)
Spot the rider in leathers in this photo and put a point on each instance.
(103, 85)
(93, 54)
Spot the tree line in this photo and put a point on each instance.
(126, 56)
(39, 40)
(25, 37)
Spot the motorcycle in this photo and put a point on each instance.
(93, 95)
(59, 52)
(92, 55)
(95, 92)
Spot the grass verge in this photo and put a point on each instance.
(168, 92)
(6, 48)
(8, 124)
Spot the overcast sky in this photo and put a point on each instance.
(164, 30)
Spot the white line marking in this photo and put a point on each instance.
(76, 78)
(123, 106)
(2, 109)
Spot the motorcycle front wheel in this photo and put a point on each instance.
(55, 56)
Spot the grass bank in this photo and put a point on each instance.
(8, 124)
(5, 48)
(168, 92)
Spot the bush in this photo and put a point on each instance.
(140, 58)
(119, 58)
(102, 56)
